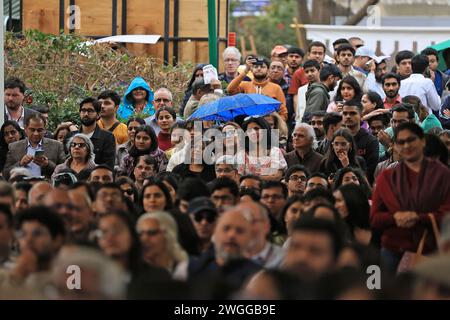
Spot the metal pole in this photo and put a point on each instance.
(2, 67)
(212, 32)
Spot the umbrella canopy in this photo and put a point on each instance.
(440, 47)
(227, 108)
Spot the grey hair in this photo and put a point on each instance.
(232, 50)
(311, 133)
(164, 90)
(89, 145)
(111, 277)
(168, 224)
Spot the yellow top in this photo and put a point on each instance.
(120, 132)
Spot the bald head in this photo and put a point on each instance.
(232, 234)
(37, 193)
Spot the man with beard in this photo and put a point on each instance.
(145, 168)
(295, 178)
(312, 72)
(103, 141)
(366, 144)
(317, 96)
(40, 234)
(374, 78)
(294, 62)
(314, 247)
(316, 123)
(260, 84)
(260, 250)
(14, 97)
(110, 101)
(346, 58)
(391, 87)
(226, 259)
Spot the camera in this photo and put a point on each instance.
(258, 62)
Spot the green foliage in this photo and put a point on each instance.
(271, 29)
(60, 71)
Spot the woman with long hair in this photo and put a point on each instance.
(165, 117)
(259, 156)
(347, 90)
(155, 196)
(10, 132)
(145, 143)
(341, 154)
(124, 149)
(349, 175)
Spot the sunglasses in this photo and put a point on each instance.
(128, 191)
(208, 216)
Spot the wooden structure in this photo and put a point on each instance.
(182, 24)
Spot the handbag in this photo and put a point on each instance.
(411, 259)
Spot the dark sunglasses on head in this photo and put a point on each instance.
(209, 216)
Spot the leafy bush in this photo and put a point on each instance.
(60, 71)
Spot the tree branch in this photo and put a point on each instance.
(358, 16)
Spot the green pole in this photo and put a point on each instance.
(212, 33)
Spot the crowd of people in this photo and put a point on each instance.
(351, 172)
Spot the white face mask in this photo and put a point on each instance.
(218, 91)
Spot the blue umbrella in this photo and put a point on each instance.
(227, 108)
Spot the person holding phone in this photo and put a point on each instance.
(36, 153)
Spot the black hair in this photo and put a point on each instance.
(319, 113)
(197, 68)
(358, 206)
(41, 108)
(6, 211)
(191, 188)
(296, 50)
(337, 219)
(43, 215)
(354, 103)
(311, 63)
(331, 118)
(251, 193)
(14, 82)
(134, 254)
(295, 168)
(435, 148)
(95, 103)
(170, 177)
(289, 202)
(391, 75)
(250, 176)
(102, 166)
(319, 193)
(16, 126)
(331, 157)
(275, 184)
(224, 183)
(419, 63)
(78, 184)
(329, 70)
(429, 52)
(340, 41)
(23, 186)
(410, 126)
(160, 184)
(109, 185)
(376, 99)
(263, 124)
(136, 119)
(170, 110)
(126, 180)
(345, 47)
(317, 44)
(402, 55)
(339, 176)
(307, 224)
(404, 107)
(35, 117)
(148, 160)
(110, 94)
(333, 284)
(134, 152)
(352, 82)
(384, 118)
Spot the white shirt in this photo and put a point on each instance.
(423, 88)
(270, 257)
(375, 86)
(301, 103)
(35, 170)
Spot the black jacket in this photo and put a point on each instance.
(104, 146)
(367, 147)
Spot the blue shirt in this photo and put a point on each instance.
(36, 171)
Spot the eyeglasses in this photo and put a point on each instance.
(224, 170)
(407, 140)
(339, 144)
(36, 233)
(88, 111)
(78, 145)
(149, 232)
(208, 216)
(162, 99)
(297, 178)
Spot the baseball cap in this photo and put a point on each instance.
(279, 50)
(201, 204)
(367, 52)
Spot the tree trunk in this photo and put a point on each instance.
(358, 16)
